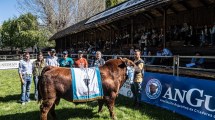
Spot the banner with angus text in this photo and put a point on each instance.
(192, 97)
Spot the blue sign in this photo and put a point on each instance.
(192, 97)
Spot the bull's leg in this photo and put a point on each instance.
(110, 105)
(45, 107)
(101, 103)
(52, 112)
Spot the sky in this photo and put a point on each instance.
(8, 9)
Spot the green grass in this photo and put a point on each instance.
(10, 109)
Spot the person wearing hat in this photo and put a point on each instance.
(99, 60)
(66, 61)
(81, 62)
(52, 60)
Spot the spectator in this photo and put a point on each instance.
(136, 85)
(52, 60)
(204, 36)
(80, 61)
(25, 74)
(154, 38)
(166, 52)
(66, 61)
(212, 33)
(184, 33)
(150, 60)
(166, 61)
(99, 60)
(143, 40)
(196, 62)
(131, 51)
(189, 40)
(38, 66)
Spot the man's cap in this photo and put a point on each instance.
(53, 50)
(80, 52)
(65, 52)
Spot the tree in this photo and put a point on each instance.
(22, 32)
(88, 8)
(7, 33)
(59, 14)
(55, 14)
(111, 3)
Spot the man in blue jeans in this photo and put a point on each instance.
(25, 74)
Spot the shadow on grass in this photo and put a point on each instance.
(62, 114)
(10, 98)
(152, 111)
(15, 97)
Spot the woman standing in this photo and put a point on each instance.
(38, 66)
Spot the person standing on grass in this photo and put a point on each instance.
(99, 60)
(136, 85)
(66, 61)
(25, 74)
(52, 60)
(38, 66)
(81, 62)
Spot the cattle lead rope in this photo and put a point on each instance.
(87, 80)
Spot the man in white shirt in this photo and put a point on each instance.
(52, 60)
(25, 73)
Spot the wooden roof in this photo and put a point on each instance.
(151, 8)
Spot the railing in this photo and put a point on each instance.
(15, 57)
(209, 58)
(176, 63)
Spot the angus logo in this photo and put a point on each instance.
(153, 88)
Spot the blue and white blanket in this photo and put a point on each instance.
(86, 84)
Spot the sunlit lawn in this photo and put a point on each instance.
(10, 109)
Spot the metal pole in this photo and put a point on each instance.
(164, 27)
(173, 66)
(178, 57)
(132, 32)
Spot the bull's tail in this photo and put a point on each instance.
(40, 83)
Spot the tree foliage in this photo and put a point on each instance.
(55, 14)
(88, 8)
(59, 14)
(22, 32)
(111, 3)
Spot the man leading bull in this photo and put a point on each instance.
(136, 84)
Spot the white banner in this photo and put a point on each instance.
(126, 90)
(10, 64)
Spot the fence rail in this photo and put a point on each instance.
(175, 63)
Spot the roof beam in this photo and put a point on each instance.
(114, 27)
(160, 11)
(146, 17)
(204, 2)
(104, 28)
(185, 4)
(173, 9)
(150, 14)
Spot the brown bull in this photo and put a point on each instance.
(55, 83)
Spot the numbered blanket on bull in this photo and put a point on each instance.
(86, 84)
